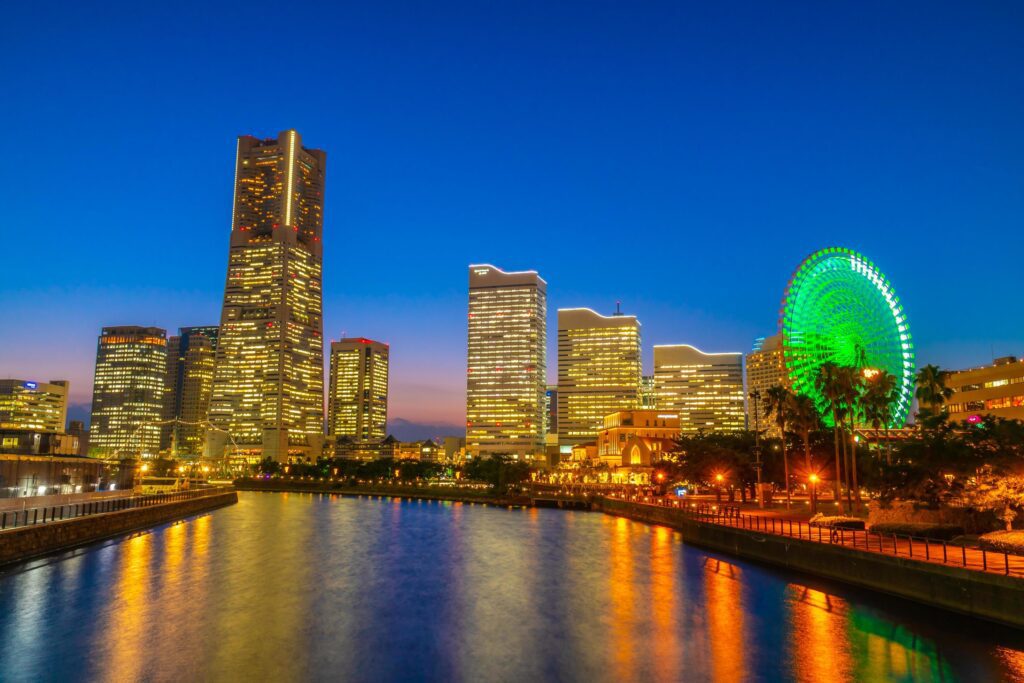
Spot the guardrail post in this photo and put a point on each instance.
(1006, 559)
(963, 552)
(984, 560)
(927, 549)
(910, 540)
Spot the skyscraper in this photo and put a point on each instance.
(190, 364)
(268, 382)
(506, 363)
(128, 391)
(765, 369)
(705, 389)
(358, 396)
(599, 371)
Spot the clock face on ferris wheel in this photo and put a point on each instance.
(839, 307)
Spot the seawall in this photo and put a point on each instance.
(984, 595)
(24, 543)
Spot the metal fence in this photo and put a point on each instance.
(910, 547)
(56, 513)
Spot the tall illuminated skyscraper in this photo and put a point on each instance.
(705, 389)
(190, 364)
(765, 369)
(358, 396)
(506, 363)
(128, 391)
(268, 382)
(599, 370)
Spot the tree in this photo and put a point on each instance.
(829, 383)
(931, 393)
(852, 381)
(778, 401)
(879, 396)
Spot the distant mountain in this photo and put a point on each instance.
(406, 430)
(80, 411)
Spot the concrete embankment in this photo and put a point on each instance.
(988, 596)
(411, 492)
(27, 542)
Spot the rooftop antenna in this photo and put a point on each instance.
(618, 308)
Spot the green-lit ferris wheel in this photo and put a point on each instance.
(839, 307)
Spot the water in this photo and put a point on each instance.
(295, 587)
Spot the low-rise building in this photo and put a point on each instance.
(35, 406)
(636, 437)
(996, 389)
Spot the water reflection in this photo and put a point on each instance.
(293, 587)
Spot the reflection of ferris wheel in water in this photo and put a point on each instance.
(839, 307)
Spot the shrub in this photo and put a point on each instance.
(836, 521)
(1003, 542)
(938, 532)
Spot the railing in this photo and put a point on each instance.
(912, 547)
(56, 513)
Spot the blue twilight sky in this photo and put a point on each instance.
(681, 157)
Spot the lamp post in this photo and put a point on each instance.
(718, 488)
(814, 493)
(755, 395)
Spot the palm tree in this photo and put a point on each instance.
(804, 418)
(853, 389)
(931, 394)
(931, 387)
(879, 398)
(829, 384)
(778, 401)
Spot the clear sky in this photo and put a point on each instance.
(681, 157)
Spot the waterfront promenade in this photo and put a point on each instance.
(789, 525)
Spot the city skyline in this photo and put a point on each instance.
(739, 148)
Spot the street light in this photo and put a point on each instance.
(718, 489)
(814, 492)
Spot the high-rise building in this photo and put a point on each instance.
(35, 406)
(598, 371)
(704, 389)
(268, 381)
(765, 369)
(190, 363)
(357, 399)
(648, 400)
(506, 363)
(128, 391)
(996, 389)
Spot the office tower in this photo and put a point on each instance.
(190, 363)
(506, 363)
(34, 406)
(268, 381)
(996, 389)
(128, 391)
(647, 398)
(704, 389)
(765, 369)
(551, 410)
(358, 396)
(598, 371)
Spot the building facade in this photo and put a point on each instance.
(191, 355)
(128, 391)
(704, 389)
(34, 406)
(765, 369)
(267, 396)
(506, 363)
(996, 389)
(357, 399)
(599, 370)
(636, 437)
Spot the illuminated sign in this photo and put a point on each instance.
(30, 385)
